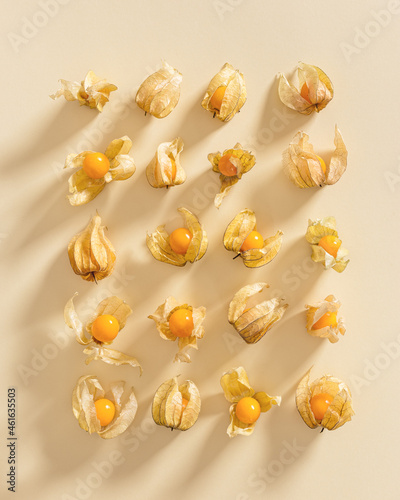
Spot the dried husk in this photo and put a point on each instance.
(159, 93)
(88, 390)
(338, 164)
(110, 356)
(243, 161)
(167, 405)
(315, 232)
(159, 170)
(320, 90)
(339, 411)
(238, 230)
(235, 95)
(92, 91)
(253, 324)
(96, 351)
(236, 386)
(158, 242)
(90, 252)
(303, 168)
(83, 188)
(315, 312)
(161, 317)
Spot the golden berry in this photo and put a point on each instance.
(328, 319)
(179, 240)
(226, 167)
(105, 411)
(248, 410)
(319, 404)
(305, 93)
(330, 244)
(253, 240)
(105, 328)
(96, 165)
(217, 97)
(181, 323)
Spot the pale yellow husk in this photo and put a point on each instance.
(315, 232)
(96, 351)
(243, 161)
(91, 253)
(167, 404)
(319, 86)
(315, 312)
(236, 386)
(83, 188)
(303, 167)
(253, 324)
(158, 242)
(92, 91)
(88, 390)
(235, 95)
(238, 230)
(159, 93)
(185, 344)
(159, 170)
(110, 356)
(339, 411)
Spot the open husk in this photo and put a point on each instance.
(92, 91)
(236, 386)
(159, 93)
(235, 94)
(96, 350)
(83, 188)
(303, 166)
(254, 322)
(167, 409)
(159, 171)
(90, 252)
(315, 232)
(158, 242)
(319, 90)
(88, 390)
(315, 312)
(339, 411)
(243, 161)
(238, 230)
(161, 317)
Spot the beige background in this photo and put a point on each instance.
(357, 44)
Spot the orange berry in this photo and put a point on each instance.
(319, 404)
(330, 244)
(105, 328)
(96, 165)
(248, 410)
(305, 92)
(105, 411)
(253, 240)
(180, 239)
(328, 319)
(184, 404)
(171, 170)
(217, 97)
(226, 167)
(322, 163)
(181, 323)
